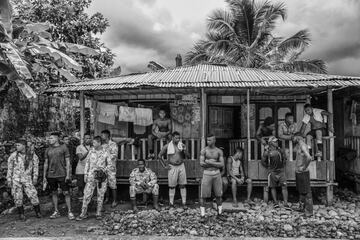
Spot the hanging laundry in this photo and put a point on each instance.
(139, 130)
(127, 114)
(144, 116)
(107, 112)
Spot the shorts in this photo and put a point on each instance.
(276, 179)
(55, 183)
(246, 180)
(303, 182)
(211, 182)
(133, 190)
(177, 175)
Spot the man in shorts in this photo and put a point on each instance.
(113, 149)
(317, 119)
(236, 175)
(211, 160)
(302, 175)
(57, 173)
(274, 160)
(176, 153)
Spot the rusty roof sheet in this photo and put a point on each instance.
(210, 76)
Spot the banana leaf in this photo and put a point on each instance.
(77, 48)
(67, 74)
(14, 58)
(25, 89)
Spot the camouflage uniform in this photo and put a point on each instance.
(22, 179)
(113, 149)
(95, 160)
(148, 177)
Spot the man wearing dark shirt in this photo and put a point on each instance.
(273, 160)
(57, 172)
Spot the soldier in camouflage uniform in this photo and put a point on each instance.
(113, 149)
(143, 180)
(97, 159)
(22, 175)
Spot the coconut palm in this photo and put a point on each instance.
(242, 35)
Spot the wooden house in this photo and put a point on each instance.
(228, 101)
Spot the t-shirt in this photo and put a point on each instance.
(315, 116)
(81, 164)
(56, 159)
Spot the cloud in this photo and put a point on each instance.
(144, 30)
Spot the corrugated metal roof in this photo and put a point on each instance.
(211, 76)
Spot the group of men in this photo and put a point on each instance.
(96, 167)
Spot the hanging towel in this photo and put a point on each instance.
(107, 112)
(144, 116)
(171, 147)
(127, 114)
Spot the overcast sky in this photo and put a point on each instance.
(144, 30)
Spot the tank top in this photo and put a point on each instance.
(235, 168)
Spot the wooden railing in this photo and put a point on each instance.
(353, 142)
(257, 149)
(132, 152)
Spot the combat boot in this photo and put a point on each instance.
(37, 211)
(21, 213)
(156, 202)
(133, 204)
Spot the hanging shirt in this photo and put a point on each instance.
(107, 112)
(144, 116)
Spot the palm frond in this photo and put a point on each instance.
(314, 66)
(300, 39)
(221, 21)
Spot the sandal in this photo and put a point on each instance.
(80, 218)
(56, 214)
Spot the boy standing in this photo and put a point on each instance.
(274, 160)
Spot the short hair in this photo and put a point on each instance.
(268, 121)
(107, 132)
(161, 109)
(22, 141)
(57, 134)
(65, 136)
(308, 105)
(176, 133)
(210, 135)
(239, 149)
(97, 138)
(87, 133)
(141, 160)
(289, 114)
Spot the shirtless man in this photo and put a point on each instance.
(161, 129)
(176, 152)
(211, 160)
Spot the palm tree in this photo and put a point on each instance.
(242, 35)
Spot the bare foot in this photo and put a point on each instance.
(235, 204)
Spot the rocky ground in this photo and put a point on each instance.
(342, 221)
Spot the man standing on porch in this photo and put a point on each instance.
(176, 153)
(113, 149)
(274, 160)
(317, 119)
(161, 129)
(211, 160)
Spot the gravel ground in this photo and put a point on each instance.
(341, 221)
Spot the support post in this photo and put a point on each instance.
(82, 116)
(203, 117)
(248, 123)
(330, 165)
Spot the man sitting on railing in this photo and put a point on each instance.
(317, 119)
(265, 130)
(286, 131)
(236, 174)
(143, 180)
(274, 160)
(161, 129)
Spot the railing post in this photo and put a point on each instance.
(331, 134)
(192, 149)
(143, 145)
(122, 152)
(291, 153)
